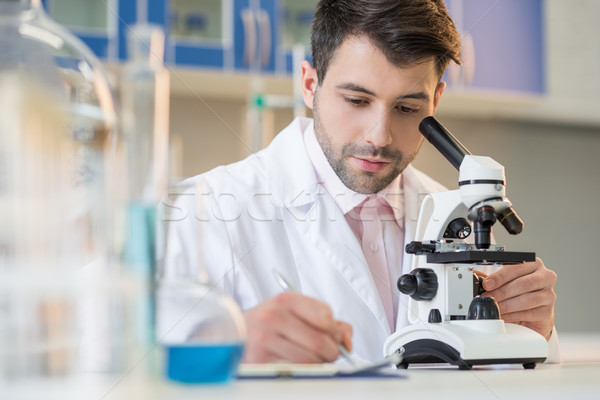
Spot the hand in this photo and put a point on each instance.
(292, 327)
(525, 295)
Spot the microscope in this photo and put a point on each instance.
(449, 321)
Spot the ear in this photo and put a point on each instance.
(309, 83)
(438, 94)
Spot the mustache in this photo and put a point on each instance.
(386, 153)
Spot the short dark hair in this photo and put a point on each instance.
(406, 31)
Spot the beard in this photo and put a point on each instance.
(360, 181)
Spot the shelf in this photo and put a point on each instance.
(519, 107)
(216, 84)
(224, 85)
(469, 104)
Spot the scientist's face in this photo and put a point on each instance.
(367, 112)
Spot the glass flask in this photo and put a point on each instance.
(59, 186)
(201, 330)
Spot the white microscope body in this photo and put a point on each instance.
(450, 323)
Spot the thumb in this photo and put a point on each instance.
(345, 330)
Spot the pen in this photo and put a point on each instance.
(285, 285)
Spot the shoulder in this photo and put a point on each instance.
(236, 179)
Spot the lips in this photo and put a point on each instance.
(370, 165)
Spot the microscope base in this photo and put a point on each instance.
(467, 343)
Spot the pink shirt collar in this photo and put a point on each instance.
(345, 198)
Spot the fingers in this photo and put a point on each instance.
(294, 328)
(481, 274)
(319, 346)
(525, 295)
(274, 334)
(532, 315)
(312, 311)
(514, 280)
(509, 274)
(266, 347)
(536, 319)
(526, 302)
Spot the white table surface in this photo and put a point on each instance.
(578, 377)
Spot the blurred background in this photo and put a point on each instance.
(527, 96)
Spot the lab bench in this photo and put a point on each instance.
(576, 377)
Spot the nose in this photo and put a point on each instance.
(379, 133)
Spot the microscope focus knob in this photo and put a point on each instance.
(435, 316)
(483, 308)
(420, 284)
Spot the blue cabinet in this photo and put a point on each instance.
(503, 40)
(503, 46)
(197, 32)
(231, 35)
(235, 35)
(254, 35)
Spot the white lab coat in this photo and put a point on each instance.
(242, 221)
(239, 222)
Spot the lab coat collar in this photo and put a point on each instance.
(304, 189)
(285, 157)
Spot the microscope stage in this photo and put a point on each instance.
(480, 257)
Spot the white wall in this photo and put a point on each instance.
(211, 132)
(573, 50)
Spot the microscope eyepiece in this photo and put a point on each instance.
(443, 140)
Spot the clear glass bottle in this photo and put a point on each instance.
(59, 169)
(144, 93)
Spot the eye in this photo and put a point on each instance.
(355, 102)
(406, 110)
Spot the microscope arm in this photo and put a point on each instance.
(481, 183)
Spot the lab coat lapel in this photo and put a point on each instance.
(333, 239)
(416, 186)
(412, 204)
(290, 174)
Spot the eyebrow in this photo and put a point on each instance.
(357, 88)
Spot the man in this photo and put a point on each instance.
(304, 206)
